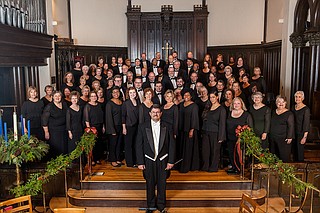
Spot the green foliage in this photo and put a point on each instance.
(23, 150)
(33, 186)
(285, 171)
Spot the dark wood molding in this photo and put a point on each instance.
(266, 56)
(21, 47)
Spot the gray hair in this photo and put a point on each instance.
(299, 92)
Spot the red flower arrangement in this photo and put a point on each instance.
(91, 129)
(241, 129)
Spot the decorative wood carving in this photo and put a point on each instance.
(185, 31)
(306, 59)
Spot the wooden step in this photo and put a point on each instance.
(175, 198)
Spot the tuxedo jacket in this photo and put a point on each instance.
(148, 63)
(162, 63)
(155, 99)
(145, 144)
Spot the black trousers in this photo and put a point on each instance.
(129, 145)
(210, 151)
(155, 176)
(115, 145)
(298, 149)
(98, 147)
(231, 147)
(279, 147)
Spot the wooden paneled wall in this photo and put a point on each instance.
(266, 56)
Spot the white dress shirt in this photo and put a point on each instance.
(155, 126)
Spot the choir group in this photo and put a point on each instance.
(202, 105)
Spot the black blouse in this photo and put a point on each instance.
(261, 84)
(32, 111)
(215, 121)
(144, 115)
(233, 123)
(282, 126)
(261, 119)
(113, 117)
(171, 118)
(45, 101)
(54, 117)
(301, 120)
(188, 117)
(93, 114)
(74, 120)
(130, 113)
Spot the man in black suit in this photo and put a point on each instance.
(164, 79)
(118, 69)
(160, 63)
(158, 97)
(144, 62)
(136, 69)
(220, 90)
(150, 82)
(180, 72)
(118, 82)
(155, 151)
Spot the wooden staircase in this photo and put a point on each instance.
(125, 187)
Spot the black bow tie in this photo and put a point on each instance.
(151, 82)
(172, 78)
(120, 65)
(158, 93)
(139, 90)
(137, 67)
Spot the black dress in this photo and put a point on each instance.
(94, 115)
(45, 101)
(55, 119)
(282, 128)
(188, 117)
(74, 124)
(114, 130)
(76, 75)
(261, 84)
(213, 131)
(144, 115)
(232, 124)
(301, 125)
(130, 117)
(171, 118)
(32, 111)
(261, 122)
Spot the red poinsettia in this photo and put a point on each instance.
(91, 129)
(241, 129)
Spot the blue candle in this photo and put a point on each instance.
(5, 133)
(22, 126)
(29, 129)
(1, 127)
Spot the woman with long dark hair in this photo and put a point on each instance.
(130, 121)
(213, 133)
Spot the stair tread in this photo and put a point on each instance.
(171, 194)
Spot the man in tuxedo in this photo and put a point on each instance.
(138, 86)
(189, 64)
(220, 90)
(118, 82)
(118, 69)
(155, 151)
(154, 66)
(150, 82)
(137, 69)
(158, 97)
(160, 63)
(169, 64)
(180, 72)
(172, 78)
(193, 80)
(144, 75)
(164, 79)
(144, 62)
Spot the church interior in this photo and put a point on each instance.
(45, 41)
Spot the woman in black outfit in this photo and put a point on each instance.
(84, 98)
(47, 99)
(130, 120)
(261, 115)
(282, 130)
(258, 79)
(93, 117)
(114, 127)
(66, 96)
(68, 82)
(146, 105)
(188, 127)
(32, 110)
(238, 115)
(213, 133)
(54, 125)
(170, 113)
(74, 121)
(302, 125)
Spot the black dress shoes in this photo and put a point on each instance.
(149, 211)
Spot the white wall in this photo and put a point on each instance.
(275, 12)
(104, 23)
(99, 22)
(235, 22)
(60, 15)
